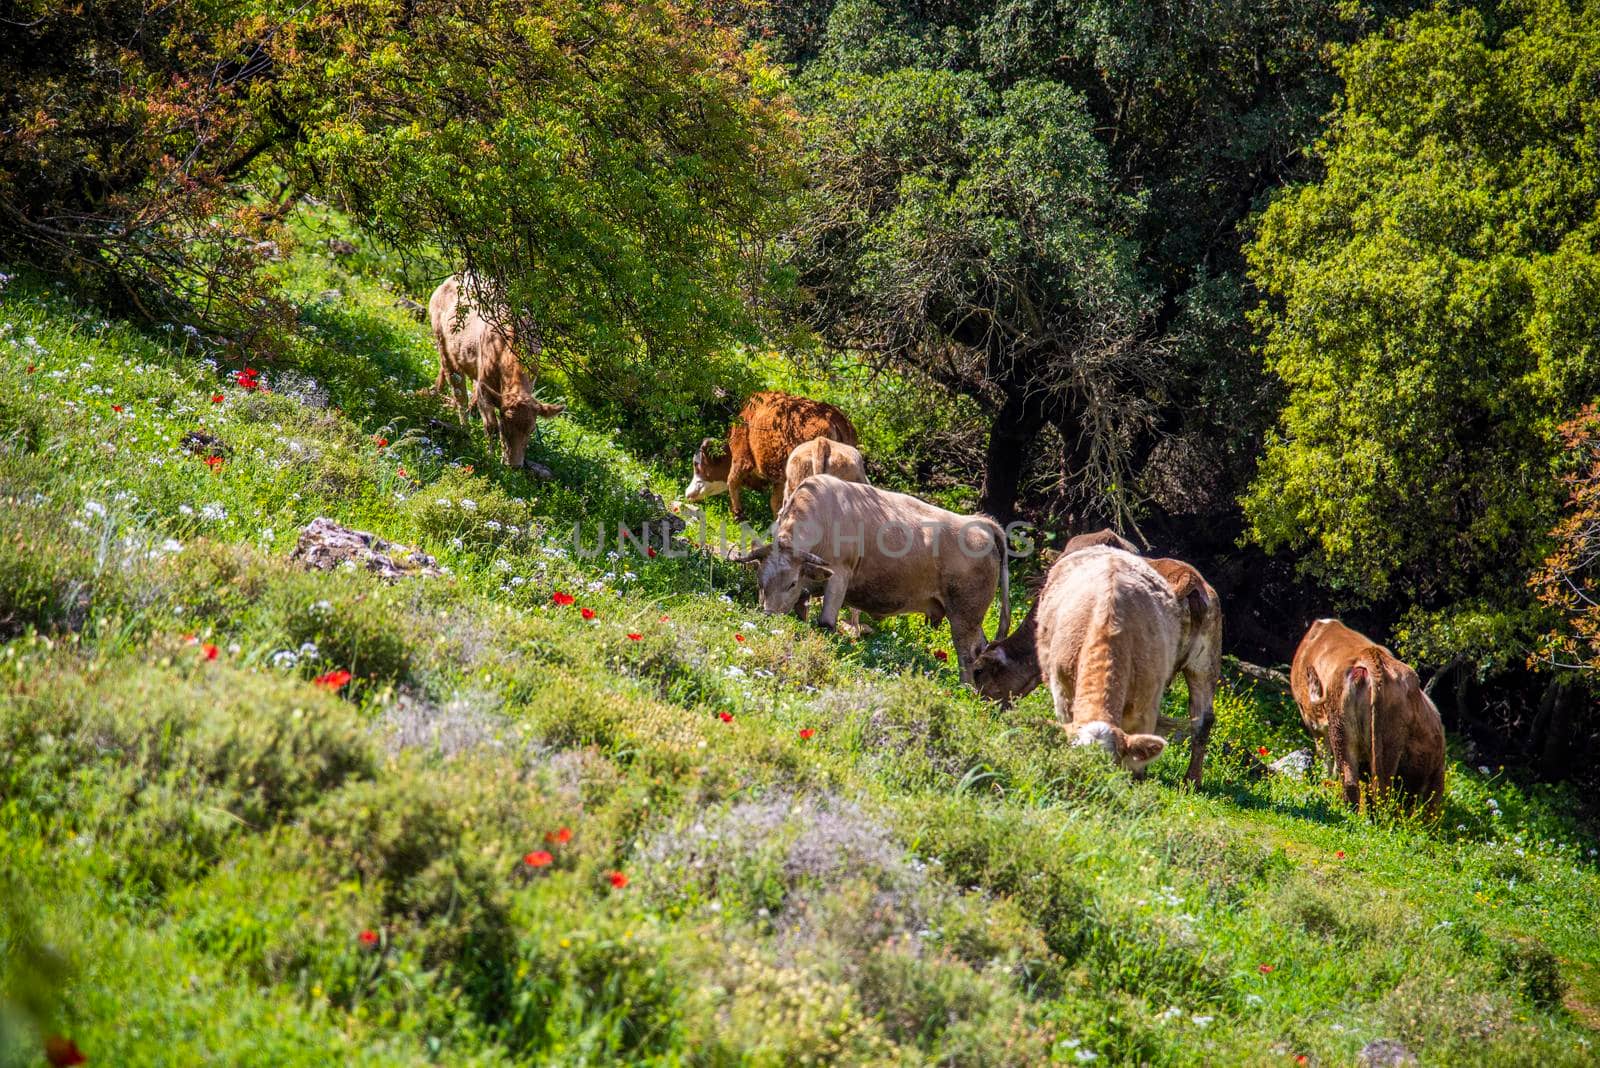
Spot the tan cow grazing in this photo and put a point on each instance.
(1108, 636)
(769, 428)
(822, 456)
(1369, 707)
(1011, 668)
(888, 554)
(473, 348)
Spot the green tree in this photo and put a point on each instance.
(1434, 313)
(1037, 203)
(611, 171)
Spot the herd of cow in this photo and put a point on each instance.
(1108, 631)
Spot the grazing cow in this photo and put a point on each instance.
(1369, 707)
(822, 456)
(1108, 636)
(1010, 669)
(888, 554)
(471, 347)
(768, 429)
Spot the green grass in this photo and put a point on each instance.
(194, 847)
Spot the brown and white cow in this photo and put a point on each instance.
(1010, 669)
(473, 348)
(823, 456)
(888, 554)
(1369, 707)
(756, 453)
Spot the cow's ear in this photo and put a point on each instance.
(1313, 685)
(1137, 750)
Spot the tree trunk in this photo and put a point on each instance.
(1012, 431)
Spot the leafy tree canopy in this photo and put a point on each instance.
(1434, 313)
(610, 171)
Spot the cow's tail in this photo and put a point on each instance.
(1005, 584)
(1360, 702)
(824, 457)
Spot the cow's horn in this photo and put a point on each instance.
(753, 556)
(808, 557)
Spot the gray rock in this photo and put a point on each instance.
(1298, 762)
(538, 470)
(325, 545)
(340, 247)
(407, 304)
(1385, 1053)
(330, 296)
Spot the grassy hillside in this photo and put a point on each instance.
(665, 830)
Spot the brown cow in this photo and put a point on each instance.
(888, 554)
(472, 347)
(1369, 707)
(1009, 669)
(1109, 635)
(756, 453)
(822, 456)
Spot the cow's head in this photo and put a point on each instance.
(785, 574)
(712, 462)
(516, 426)
(1131, 751)
(1006, 670)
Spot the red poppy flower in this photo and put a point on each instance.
(333, 680)
(208, 651)
(467, 468)
(369, 937)
(400, 471)
(560, 836)
(190, 639)
(634, 637)
(217, 398)
(1262, 751)
(941, 655)
(249, 378)
(1265, 969)
(562, 599)
(617, 879)
(586, 613)
(116, 407)
(214, 462)
(726, 717)
(650, 551)
(61, 1051)
(738, 637)
(1339, 853)
(382, 443)
(807, 732)
(664, 619)
(30, 368)
(1302, 1059)
(538, 859)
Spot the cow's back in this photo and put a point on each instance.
(823, 456)
(460, 336)
(902, 551)
(772, 424)
(1326, 650)
(1108, 631)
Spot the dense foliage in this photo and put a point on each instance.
(1569, 580)
(122, 123)
(1435, 316)
(1037, 202)
(610, 172)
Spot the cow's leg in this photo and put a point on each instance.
(967, 636)
(777, 497)
(458, 386)
(833, 599)
(491, 417)
(1202, 691)
(736, 477)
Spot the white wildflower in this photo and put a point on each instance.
(469, 505)
(285, 659)
(214, 513)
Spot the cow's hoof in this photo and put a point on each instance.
(831, 628)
